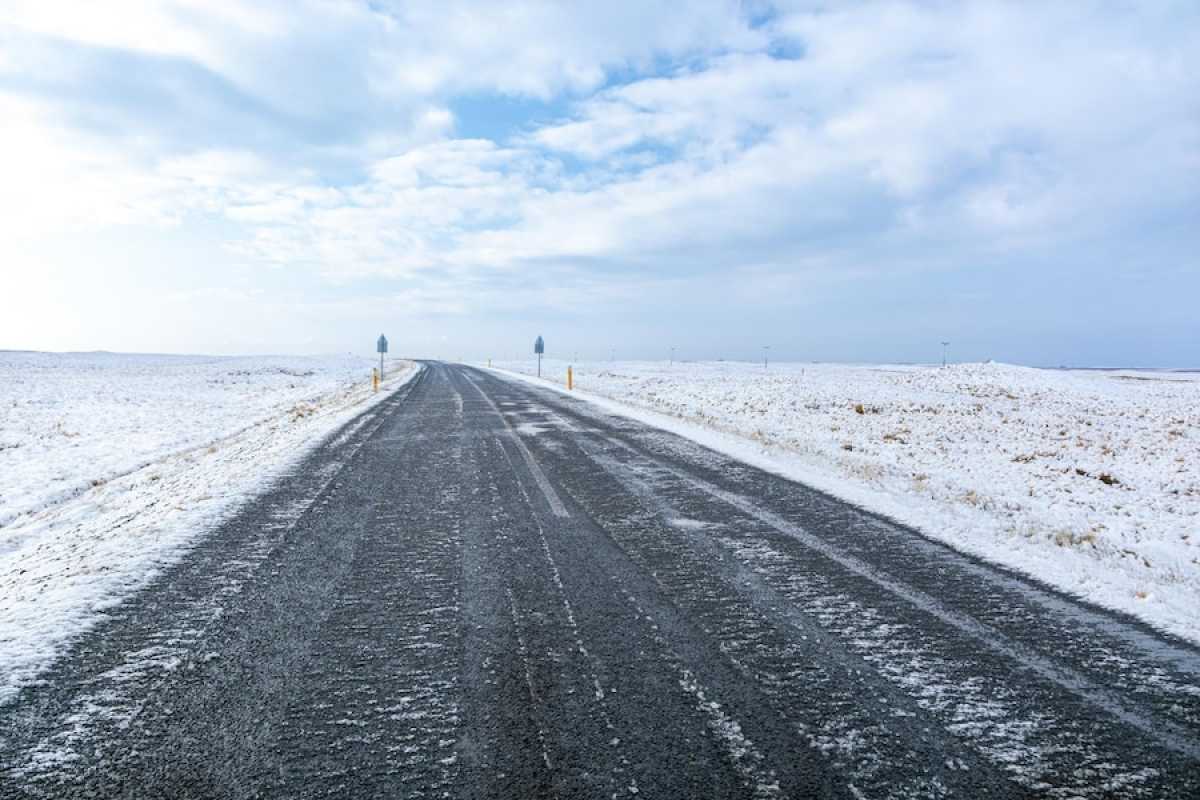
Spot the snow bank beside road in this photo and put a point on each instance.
(1088, 480)
(111, 464)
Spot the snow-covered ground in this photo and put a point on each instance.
(111, 464)
(1088, 480)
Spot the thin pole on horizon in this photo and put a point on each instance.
(944, 346)
(672, 355)
(766, 351)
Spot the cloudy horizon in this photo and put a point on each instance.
(848, 181)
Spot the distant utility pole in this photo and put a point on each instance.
(944, 346)
(766, 350)
(672, 355)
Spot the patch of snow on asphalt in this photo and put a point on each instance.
(1088, 480)
(111, 464)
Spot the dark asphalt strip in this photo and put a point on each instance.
(724, 623)
(687, 723)
(854, 700)
(499, 725)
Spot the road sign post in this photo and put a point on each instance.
(539, 347)
(381, 346)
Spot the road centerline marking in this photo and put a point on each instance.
(556, 503)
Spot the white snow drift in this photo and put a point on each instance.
(110, 465)
(1088, 480)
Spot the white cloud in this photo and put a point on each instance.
(540, 49)
(58, 181)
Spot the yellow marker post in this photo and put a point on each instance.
(570, 378)
(375, 378)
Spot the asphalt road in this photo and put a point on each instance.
(486, 589)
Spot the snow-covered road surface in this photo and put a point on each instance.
(1088, 480)
(487, 589)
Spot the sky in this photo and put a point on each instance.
(842, 181)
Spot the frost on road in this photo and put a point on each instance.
(486, 589)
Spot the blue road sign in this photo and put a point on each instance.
(381, 345)
(539, 346)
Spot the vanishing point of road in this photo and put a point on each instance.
(483, 588)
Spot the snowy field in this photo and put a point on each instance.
(111, 464)
(1087, 480)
